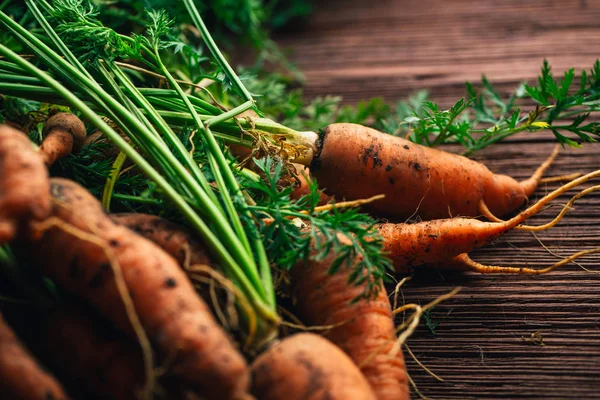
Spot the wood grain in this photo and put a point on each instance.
(390, 48)
(482, 347)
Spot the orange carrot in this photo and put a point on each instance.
(24, 187)
(447, 241)
(137, 285)
(364, 329)
(411, 245)
(354, 162)
(172, 238)
(64, 133)
(20, 375)
(307, 367)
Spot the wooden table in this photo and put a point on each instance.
(482, 345)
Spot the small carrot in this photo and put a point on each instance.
(172, 238)
(24, 187)
(63, 134)
(447, 241)
(354, 162)
(307, 367)
(363, 329)
(21, 377)
(137, 285)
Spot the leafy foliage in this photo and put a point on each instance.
(16, 109)
(562, 100)
(247, 21)
(485, 118)
(295, 230)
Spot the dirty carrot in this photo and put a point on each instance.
(363, 329)
(307, 367)
(440, 241)
(354, 161)
(138, 286)
(171, 237)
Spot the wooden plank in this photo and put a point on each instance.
(478, 347)
(482, 347)
(391, 48)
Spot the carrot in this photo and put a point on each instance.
(354, 162)
(447, 241)
(63, 133)
(187, 250)
(134, 283)
(24, 187)
(363, 329)
(306, 367)
(172, 238)
(20, 375)
(90, 354)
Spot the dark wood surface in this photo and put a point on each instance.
(362, 49)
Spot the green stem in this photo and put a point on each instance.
(214, 49)
(204, 105)
(111, 180)
(7, 66)
(185, 209)
(70, 57)
(217, 160)
(136, 199)
(228, 132)
(495, 138)
(164, 128)
(229, 114)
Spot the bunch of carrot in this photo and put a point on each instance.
(131, 270)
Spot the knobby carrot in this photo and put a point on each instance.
(364, 329)
(447, 241)
(355, 162)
